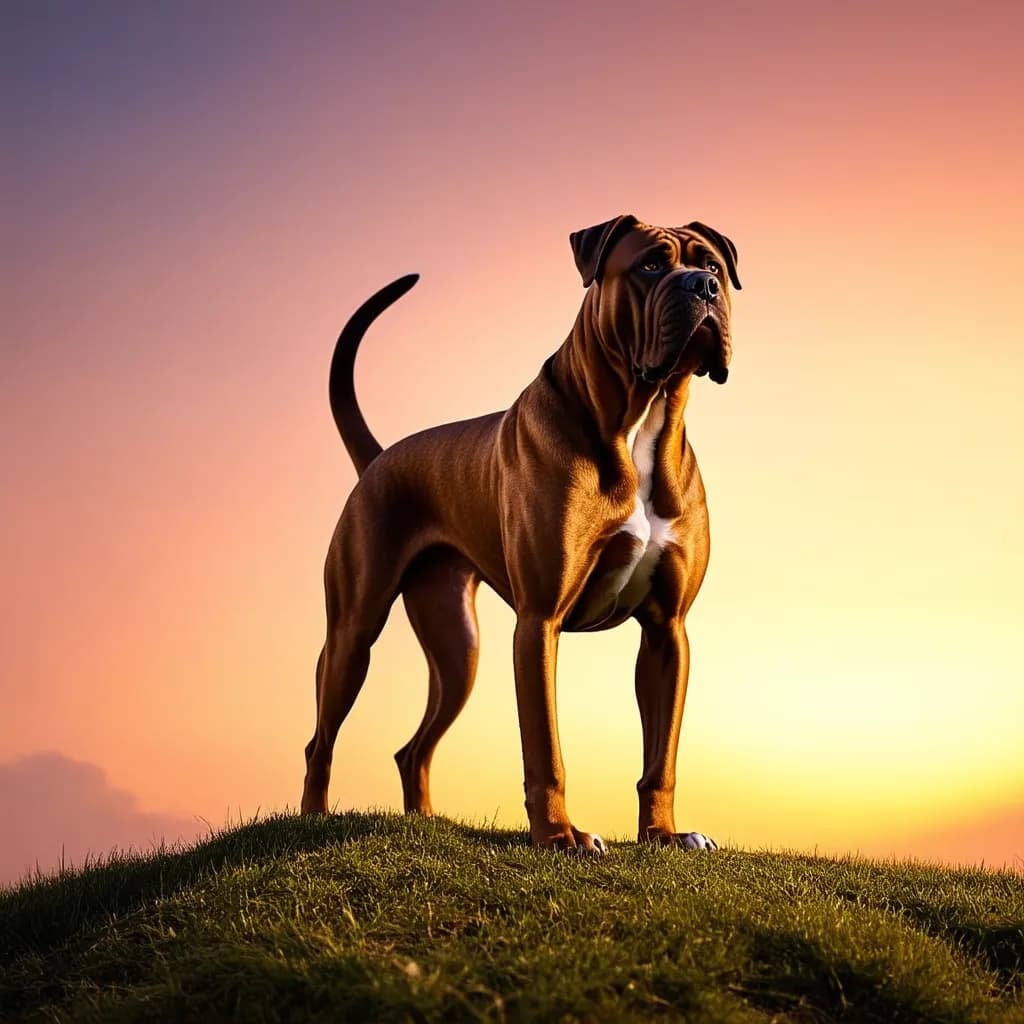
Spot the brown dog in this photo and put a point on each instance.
(582, 505)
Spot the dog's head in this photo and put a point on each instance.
(661, 296)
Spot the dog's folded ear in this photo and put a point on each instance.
(591, 246)
(722, 244)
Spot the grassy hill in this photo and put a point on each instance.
(369, 917)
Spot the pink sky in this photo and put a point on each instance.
(197, 201)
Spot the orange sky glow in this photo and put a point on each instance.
(198, 199)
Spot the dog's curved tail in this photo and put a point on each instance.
(362, 446)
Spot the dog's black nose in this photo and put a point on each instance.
(703, 284)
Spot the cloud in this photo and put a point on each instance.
(50, 803)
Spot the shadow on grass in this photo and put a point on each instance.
(999, 949)
(238, 985)
(44, 913)
(996, 946)
(795, 977)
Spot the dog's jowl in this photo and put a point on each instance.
(581, 505)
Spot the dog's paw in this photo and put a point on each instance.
(685, 840)
(588, 844)
(695, 841)
(573, 842)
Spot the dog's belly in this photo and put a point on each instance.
(622, 577)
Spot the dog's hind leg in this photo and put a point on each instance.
(341, 672)
(359, 595)
(439, 590)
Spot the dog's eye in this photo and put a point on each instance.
(714, 266)
(651, 266)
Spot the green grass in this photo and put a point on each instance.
(373, 917)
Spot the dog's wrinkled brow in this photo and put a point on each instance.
(660, 249)
(702, 246)
(666, 243)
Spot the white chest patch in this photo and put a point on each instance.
(622, 589)
(650, 529)
(625, 587)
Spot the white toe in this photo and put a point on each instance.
(597, 850)
(698, 841)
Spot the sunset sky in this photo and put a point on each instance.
(195, 198)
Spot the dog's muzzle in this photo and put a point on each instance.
(689, 314)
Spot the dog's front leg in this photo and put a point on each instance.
(662, 668)
(536, 650)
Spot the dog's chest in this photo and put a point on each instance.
(622, 577)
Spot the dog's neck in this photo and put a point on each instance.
(600, 377)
